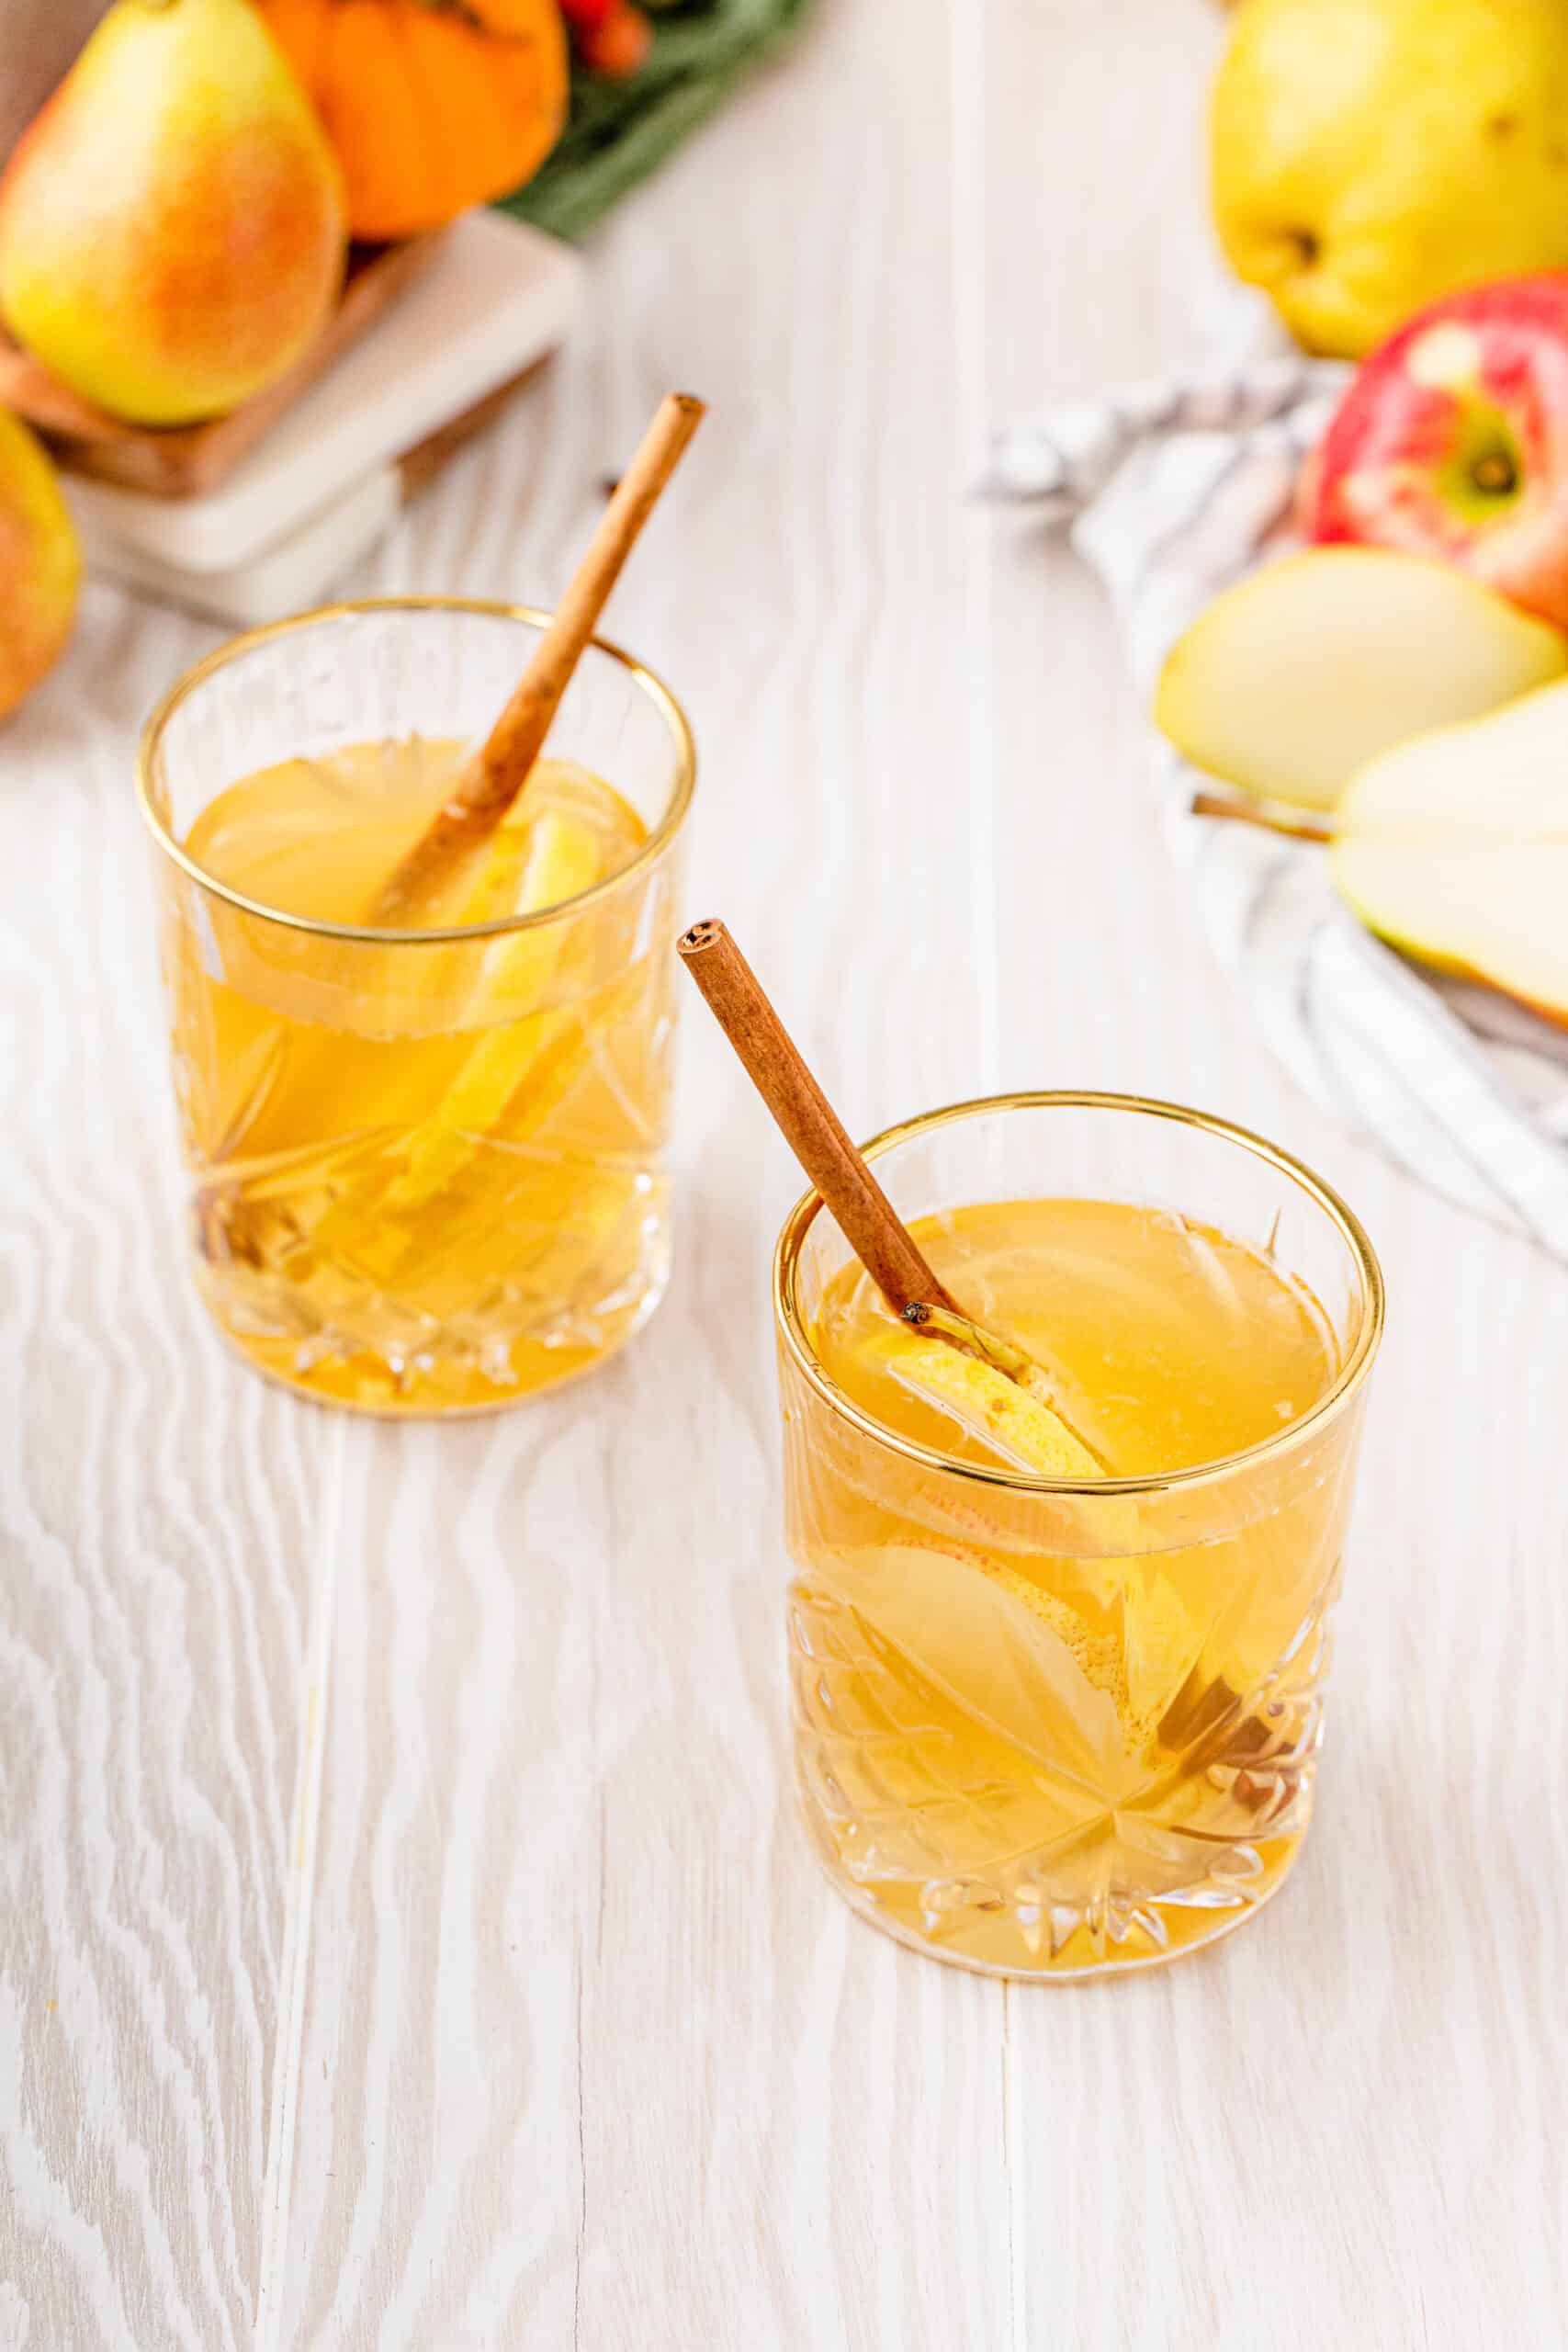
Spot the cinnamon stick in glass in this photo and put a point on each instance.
(866, 1217)
(493, 777)
(809, 1124)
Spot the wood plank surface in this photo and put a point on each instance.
(157, 1514)
(406, 1937)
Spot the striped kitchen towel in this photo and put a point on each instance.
(1171, 492)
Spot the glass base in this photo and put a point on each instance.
(434, 1383)
(1051, 1942)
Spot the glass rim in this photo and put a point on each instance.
(445, 935)
(1349, 1380)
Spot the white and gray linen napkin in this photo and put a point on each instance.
(1172, 491)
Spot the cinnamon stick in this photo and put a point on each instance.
(811, 1127)
(493, 777)
(1298, 826)
(809, 1124)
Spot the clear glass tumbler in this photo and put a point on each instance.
(427, 1167)
(1047, 1728)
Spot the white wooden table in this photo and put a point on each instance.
(406, 1939)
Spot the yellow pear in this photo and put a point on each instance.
(1455, 848)
(1370, 155)
(1303, 671)
(41, 563)
(172, 224)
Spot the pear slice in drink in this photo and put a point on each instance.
(528, 868)
(986, 1403)
(1019, 1431)
(562, 859)
(999, 1647)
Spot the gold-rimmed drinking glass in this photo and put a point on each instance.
(401, 1203)
(964, 1637)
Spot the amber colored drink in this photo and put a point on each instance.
(427, 1167)
(1039, 1728)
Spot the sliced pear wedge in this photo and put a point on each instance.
(1020, 1431)
(527, 869)
(1002, 1648)
(503, 1060)
(561, 860)
(1455, 848)
(987, 1404)
(1291, 681)
(1079, 1691)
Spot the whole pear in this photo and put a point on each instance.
(1367, 157)
(41, 563)
(172, 224)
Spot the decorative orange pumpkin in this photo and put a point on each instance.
(432, 104)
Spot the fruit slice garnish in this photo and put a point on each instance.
(986, 1403)
(1003, 1650)
(1162, 1643)
(559, 859)
(490, 1075)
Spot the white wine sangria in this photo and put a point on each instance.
(426, 1163)
(1058, 1653)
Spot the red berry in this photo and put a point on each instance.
(617, 45)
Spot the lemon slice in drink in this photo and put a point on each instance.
(986, 1402)
(530, 868)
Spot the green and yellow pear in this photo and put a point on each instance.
(1367, 157)
(1455, 848)
(41, 563)
(172, 224)
(1293, 680)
